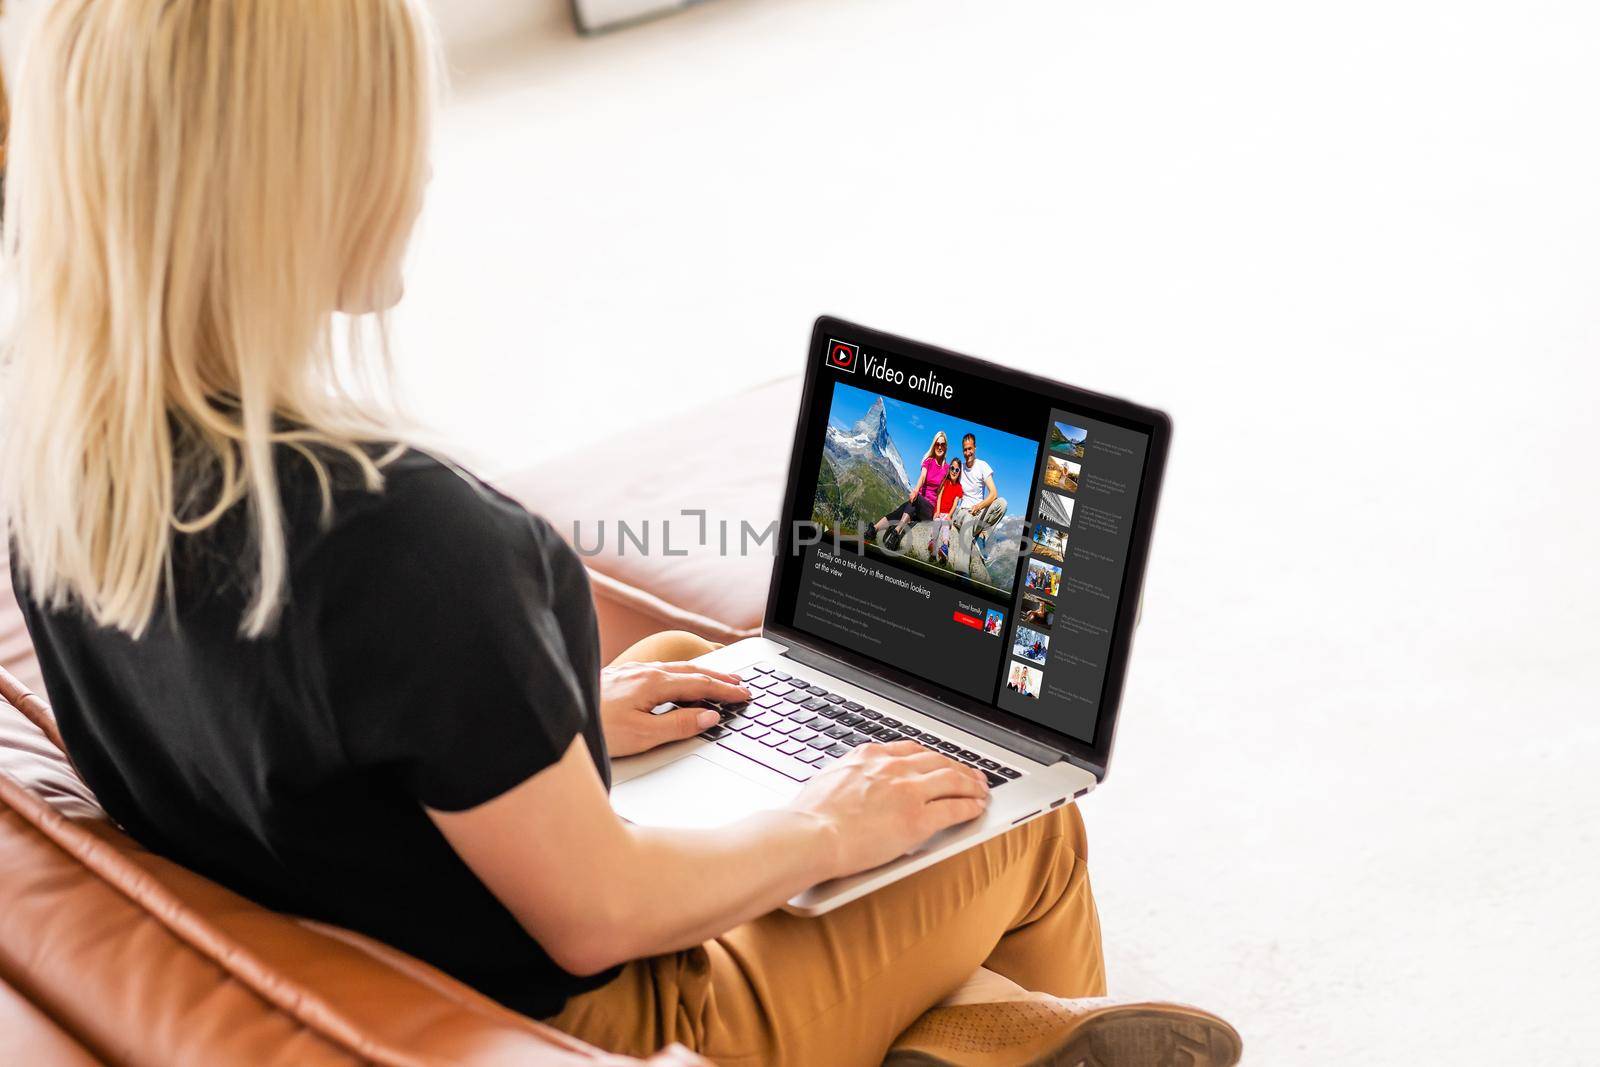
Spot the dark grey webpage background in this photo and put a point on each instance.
(1091, 579)
(884, 611)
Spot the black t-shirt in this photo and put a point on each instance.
(438, 647)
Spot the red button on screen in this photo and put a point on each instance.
(969, 620)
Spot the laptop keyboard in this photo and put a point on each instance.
(797, 728)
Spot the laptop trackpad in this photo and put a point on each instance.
(692, 793)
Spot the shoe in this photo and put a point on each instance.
(1043, 1031)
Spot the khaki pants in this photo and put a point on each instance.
(785, 991)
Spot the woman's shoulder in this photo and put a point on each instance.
(427, 508)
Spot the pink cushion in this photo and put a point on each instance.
(729, 458)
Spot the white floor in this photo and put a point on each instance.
(1353, 248)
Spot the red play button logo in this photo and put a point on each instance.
(842, 355)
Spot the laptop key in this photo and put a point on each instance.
(834, 698)
(780, 676)
(784, 726)
(856, 740)
(787, 766)
(821, 742)
(869, 713)
(910, 731)
(773, 740)
(780, 689)
(817, 691)
(760, 681)
(851, 720)
(989, 764)
(767, 718)
(968, 754)
(1007, 772)
(891, 723)
(851, 705)
(809, 755)
(837, 749)
(714, 733)
(815, 704)
(766, 700)
(949, 746)
(889, 737)
(789, 748)
(756, 732)
(994, 779)
(802, 733)
(870, 728)
(839, 731)
(761, 668)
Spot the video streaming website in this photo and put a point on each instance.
(966, 532)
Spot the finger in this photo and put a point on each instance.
(686, 667)
(903, 748)
(670, 686)
(922, 761)
(951, 782)
(941, 814)
(684, 722)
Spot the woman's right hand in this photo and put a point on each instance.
(882, 801)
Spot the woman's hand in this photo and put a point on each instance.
(630, 691)
(882, 801)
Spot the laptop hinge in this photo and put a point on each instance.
(961, 720)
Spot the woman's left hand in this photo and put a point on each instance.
(630, 691)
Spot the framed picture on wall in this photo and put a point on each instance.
(593, 16)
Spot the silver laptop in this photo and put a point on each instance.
(988, 618)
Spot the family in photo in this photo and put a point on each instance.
(1025, 680)
(1044, 578)
(1030, 645)
(947, 511)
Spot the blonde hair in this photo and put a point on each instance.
(937, 437)
(195, 188)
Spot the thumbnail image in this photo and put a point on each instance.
(1030, 645)
(1036, 612)
(1050, 543)
(1025, 680)
(1067, 440)
(895, 476)
(1061, 474)
(993, 621)
(1044, 578)
(1053, 507)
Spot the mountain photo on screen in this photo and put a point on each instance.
(872, 456)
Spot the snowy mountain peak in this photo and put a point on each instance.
(869, 440)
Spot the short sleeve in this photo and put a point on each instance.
(456, 640)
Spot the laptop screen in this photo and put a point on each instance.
(970, 533)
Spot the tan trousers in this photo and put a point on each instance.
(785, 991)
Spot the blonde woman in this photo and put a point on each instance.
(349, 681)
(919, 506)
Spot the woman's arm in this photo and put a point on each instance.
(595, 891)
(922, 480)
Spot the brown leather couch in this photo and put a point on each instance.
(110, 954)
